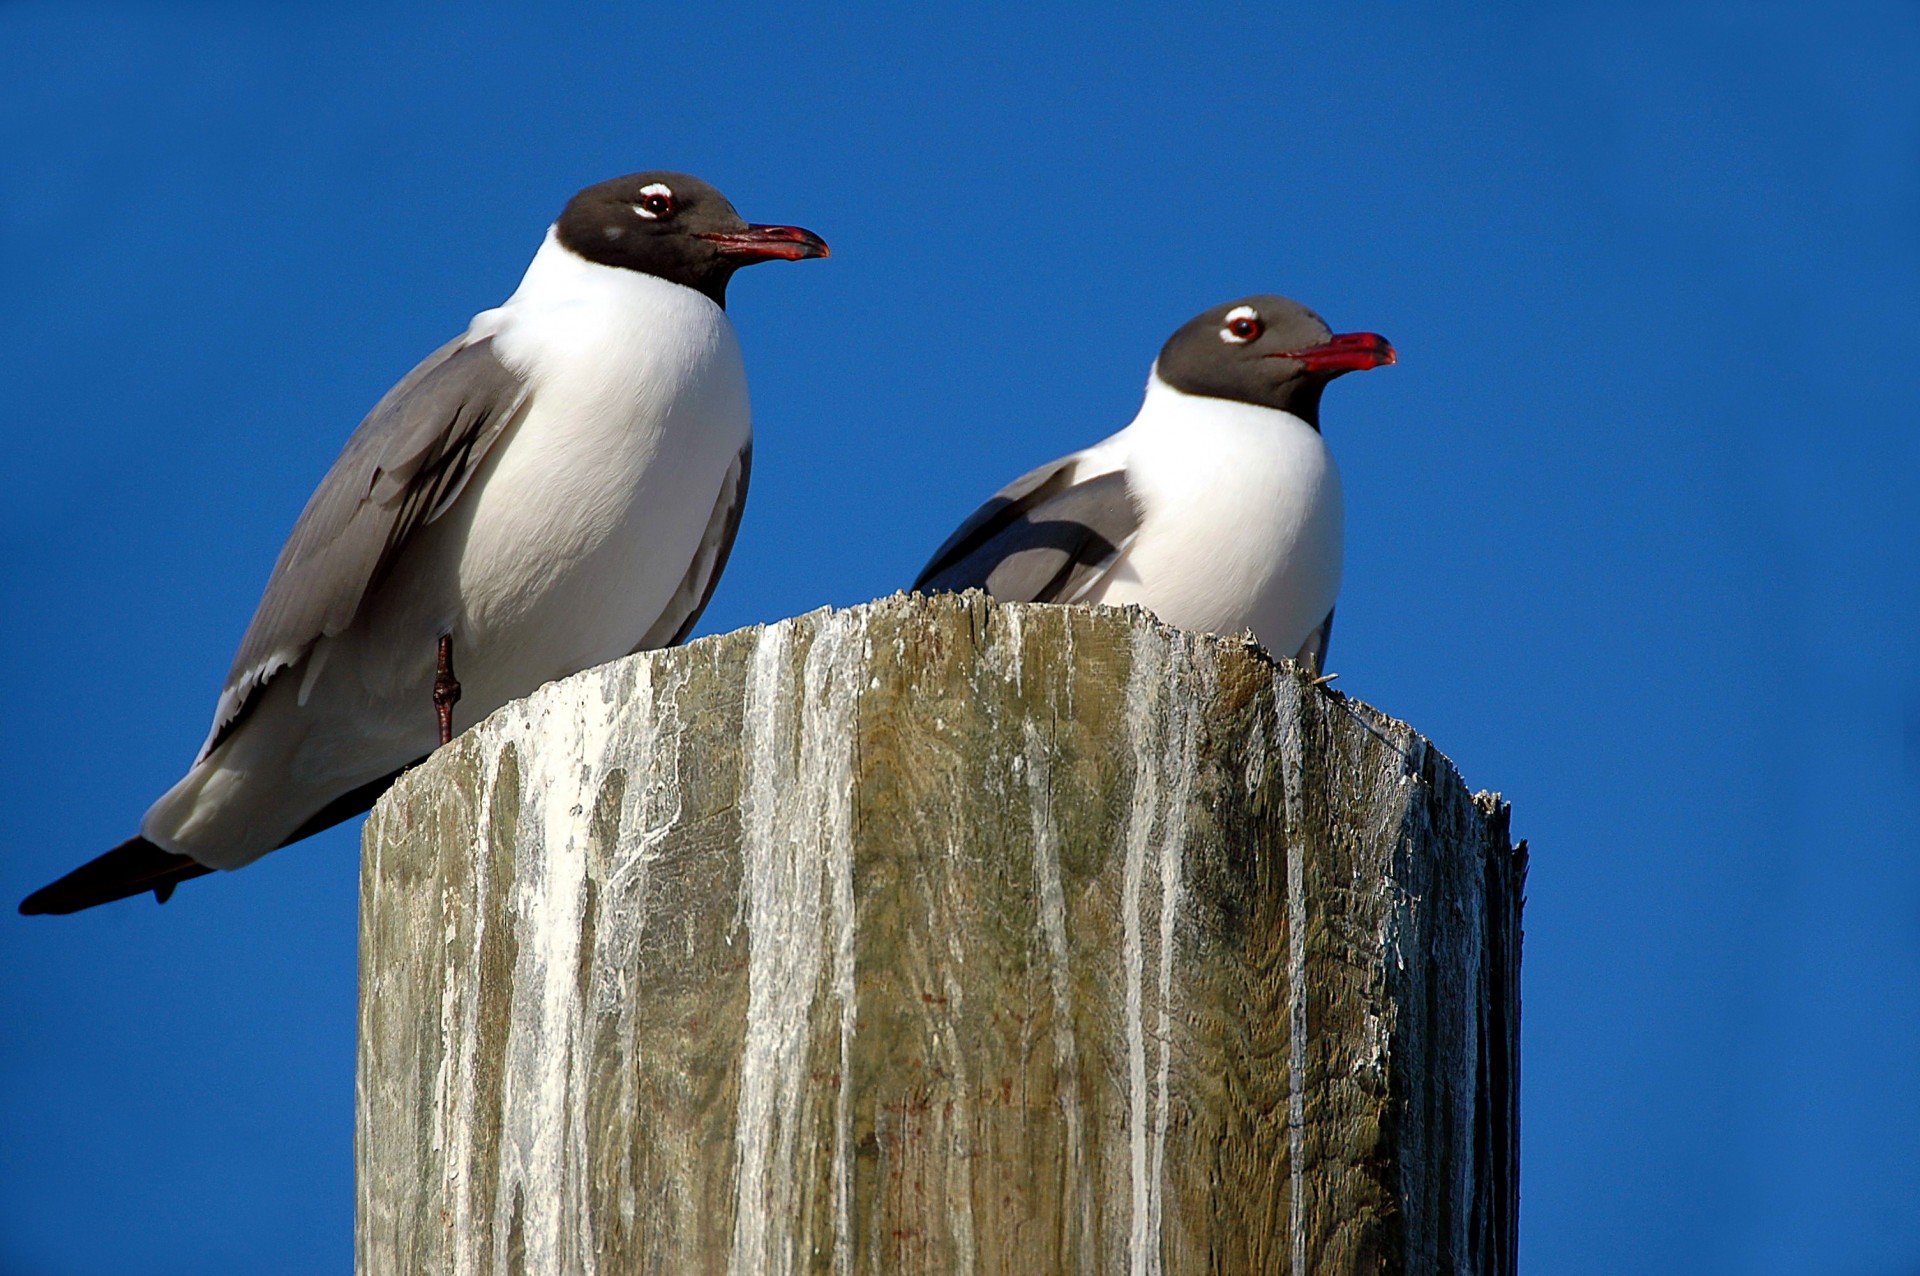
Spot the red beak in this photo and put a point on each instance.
(1348, 352)
(766, 243)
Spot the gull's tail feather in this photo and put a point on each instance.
(134, 867)
(137, 866)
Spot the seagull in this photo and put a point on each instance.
(1218, 508)
(557, 487)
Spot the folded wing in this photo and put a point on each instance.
(406, 464)
(1051, 535)
(703, 573)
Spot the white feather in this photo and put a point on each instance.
(1241, 518)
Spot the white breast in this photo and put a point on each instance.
(1241, 518)
(582, 522)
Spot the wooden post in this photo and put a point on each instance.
(939, 936)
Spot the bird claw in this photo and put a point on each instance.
(1324, 679)
(446, 689)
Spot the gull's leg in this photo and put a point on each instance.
(446, 689)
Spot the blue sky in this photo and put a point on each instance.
(1632, 533)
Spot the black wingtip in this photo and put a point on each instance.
(134, 867)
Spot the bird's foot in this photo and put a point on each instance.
(1324, 679)
(446, 689)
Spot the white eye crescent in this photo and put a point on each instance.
(656, 201)
(1241, 326)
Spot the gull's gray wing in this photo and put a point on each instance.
(703, 574)
(1048, 536)
(1313, 652)
(409, 460)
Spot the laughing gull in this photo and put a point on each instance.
(1217, 509)
(557, 487)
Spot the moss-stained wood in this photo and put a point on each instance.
(939, 936)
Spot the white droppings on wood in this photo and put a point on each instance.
(836, 755)
(1160, 730)
(778, 998)
(644, 699)
(1051, 908)
(1180, 727)
(460, 1015)
(796, 821)
(452, 1130)
(536, 1147)
(561, 750)
(1007, 652)
(1286, 710)
(1139, 829)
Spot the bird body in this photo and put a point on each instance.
(1217, 508)
(555, 488)
(566, 547)
(583, 520)
(1240, 518)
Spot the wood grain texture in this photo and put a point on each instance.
(939, 935)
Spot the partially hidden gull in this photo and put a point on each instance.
(1218, 508)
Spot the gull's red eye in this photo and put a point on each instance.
(656, 201)
(1242, 325)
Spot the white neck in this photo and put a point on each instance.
(1240, 517)
(1165, 407)
(558, 274)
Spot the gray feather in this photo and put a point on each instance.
(405, 465)
(703, 574)
(1043, 538)
(1006, 506)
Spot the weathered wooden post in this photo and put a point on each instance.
(939, 936)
